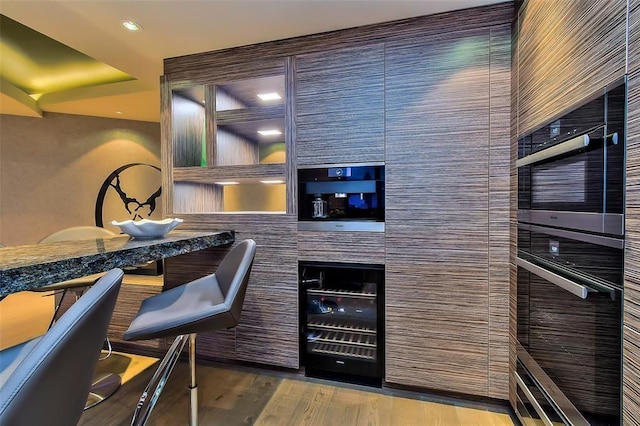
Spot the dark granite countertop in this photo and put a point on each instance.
(31, 266)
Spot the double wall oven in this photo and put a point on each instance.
(570, 265)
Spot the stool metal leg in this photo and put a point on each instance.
(143, 410)
(193, 387)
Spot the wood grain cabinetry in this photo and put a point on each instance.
(563, 52)
(228, 145)
(340, 106)
(133, 291)
(567, 50)
(429, 96)
(631, 330)
(439, 94)
(345, 247)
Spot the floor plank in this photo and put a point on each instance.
(233, 395)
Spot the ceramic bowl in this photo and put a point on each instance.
(146, 228)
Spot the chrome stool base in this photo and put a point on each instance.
(103, 386)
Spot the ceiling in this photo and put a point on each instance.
(100, 69)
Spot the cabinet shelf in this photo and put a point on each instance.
(232, 116)
(367, 292)
(251, 173)
(342, 338)
(350, 326)
(344, 351)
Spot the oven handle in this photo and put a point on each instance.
(536, 405)
(573, 144)
(571, 286)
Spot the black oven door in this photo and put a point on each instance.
(569, 323)
(571, 172)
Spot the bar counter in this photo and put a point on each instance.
(28, 267)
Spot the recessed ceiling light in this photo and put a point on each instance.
(272, 181)
(269, 96)
(119, 112)
(227, 183)
(270, 132)
(132, 25)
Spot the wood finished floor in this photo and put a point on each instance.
(242, 396)
(239, 396)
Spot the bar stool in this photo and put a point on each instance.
(209, 303)
(46, 381)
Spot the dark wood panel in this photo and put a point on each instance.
(237, 173)
(631, 337)
(249, 114)
(513, 200)
(436, 330)
(166, 151)
(499, 208)
(187, 129)
(631, 378)
(190, 197)
(437, 212)
(127, 305)
(241, 61)
(348, 247)
(567, 51)
(268, 329)
(340, 106)
(290, 145)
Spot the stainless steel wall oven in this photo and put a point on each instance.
(571, 171)
(570, 265)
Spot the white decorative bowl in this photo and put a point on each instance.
(146, 228)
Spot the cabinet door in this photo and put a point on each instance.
(565, 53)
(631, 363)
(340, 106)
(437, 212)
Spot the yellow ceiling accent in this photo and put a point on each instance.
(37, 64)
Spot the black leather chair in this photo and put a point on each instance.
(46, 381)
(210, 303)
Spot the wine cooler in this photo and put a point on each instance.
(342, 323)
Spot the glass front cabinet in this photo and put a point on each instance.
(228, 145)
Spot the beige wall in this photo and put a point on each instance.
(52, 168)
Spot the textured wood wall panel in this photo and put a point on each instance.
(513, 219)
(289, 136)
(232, 149)
(437, 212)
(272, 305)
(239, 173)
(268, 330)
(127, 305)
(349, 247)
(240, 62)
(567, 51)
(631, 338)
(191, 197)
(499, 208)
(631, 377)
(340, 106)
(188, 129)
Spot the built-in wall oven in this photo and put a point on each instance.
(571, 171)
(341, 197)
(570, 265)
